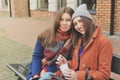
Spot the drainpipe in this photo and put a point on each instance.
(10, 8)
(29, 8)
(112, 17)
(77, 2)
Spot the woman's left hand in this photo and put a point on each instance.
(70, 74)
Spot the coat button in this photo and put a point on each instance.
(83, 65)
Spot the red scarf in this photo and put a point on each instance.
(62, 35)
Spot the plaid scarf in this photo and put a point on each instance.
(62, 47)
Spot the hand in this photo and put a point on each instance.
(61, 60)
(70, 74)
(42, 73)
(36, 76)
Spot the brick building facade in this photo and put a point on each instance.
(106, 14)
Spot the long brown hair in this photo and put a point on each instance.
(48, 37)
(89, 29)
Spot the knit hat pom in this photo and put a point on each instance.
(82, 11)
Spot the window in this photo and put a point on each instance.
(61, 3)
(42, 4)
(91, 4)
(5, 4)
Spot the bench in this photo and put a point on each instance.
(21, 70)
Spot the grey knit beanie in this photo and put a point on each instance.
(82, 11)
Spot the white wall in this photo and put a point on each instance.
(33, 4)
(52, 5)
(8, 6)
(0, 4)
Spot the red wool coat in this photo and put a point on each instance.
(97, 55)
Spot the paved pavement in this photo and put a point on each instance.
(24, 30)
(17, 39)
(18, 36)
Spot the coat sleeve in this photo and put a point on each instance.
(105, 59)
(37, 56)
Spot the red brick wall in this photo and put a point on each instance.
(4, 13)
(19, 8)
(117, 17)
(42, 14)
(103, 11)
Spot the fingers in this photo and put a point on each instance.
(61, 60)
(70, 74)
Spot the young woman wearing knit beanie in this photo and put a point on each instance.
(52, 42)
(92, 53)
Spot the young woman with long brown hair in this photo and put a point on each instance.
(52, 42)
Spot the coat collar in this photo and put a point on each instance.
(95, 34)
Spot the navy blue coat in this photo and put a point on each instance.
(36, 64)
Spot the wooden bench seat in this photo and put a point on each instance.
(21, 70)
(115, 76)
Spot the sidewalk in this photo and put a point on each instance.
(18, 36)
(115, 40)
(23, 30)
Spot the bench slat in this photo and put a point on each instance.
(19, 70)
(115, 67)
